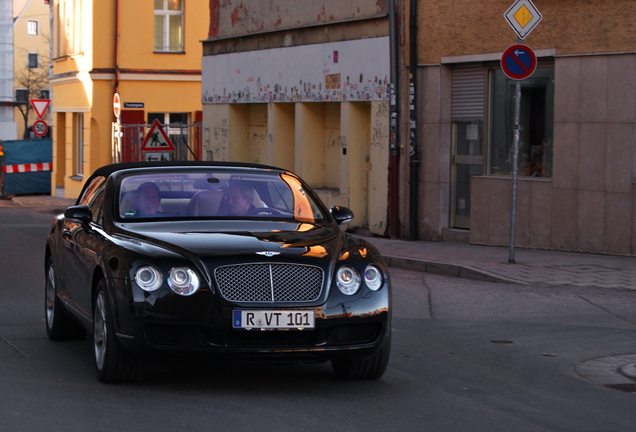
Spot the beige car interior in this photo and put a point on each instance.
(203, 203)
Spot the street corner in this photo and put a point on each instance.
(615, 372)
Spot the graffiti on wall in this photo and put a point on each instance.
(340, 71)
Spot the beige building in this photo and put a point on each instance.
(31, 54)
(148, 51)
(577, 169)
(303, 86)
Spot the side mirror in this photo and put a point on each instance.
(342, 214)
(81, 213)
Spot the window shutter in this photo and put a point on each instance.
(468, 92)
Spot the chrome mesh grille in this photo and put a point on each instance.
(269, 282)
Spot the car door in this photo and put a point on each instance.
(81, 248)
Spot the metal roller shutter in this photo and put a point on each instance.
(468, 92)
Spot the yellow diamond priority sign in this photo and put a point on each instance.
(523, 17)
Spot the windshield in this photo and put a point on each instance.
(221, 194)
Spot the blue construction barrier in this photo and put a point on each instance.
(22, 154)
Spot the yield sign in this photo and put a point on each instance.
(157, 140)
(40, 105)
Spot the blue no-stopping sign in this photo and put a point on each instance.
(518, 61)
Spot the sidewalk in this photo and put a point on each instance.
(485, 263)
(490, 263)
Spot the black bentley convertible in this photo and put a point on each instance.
(234, 261)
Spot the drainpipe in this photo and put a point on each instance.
(116, 46)
(413, 151)
(394, 150)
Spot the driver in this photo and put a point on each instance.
(240, 198)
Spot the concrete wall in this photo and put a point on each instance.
(589, 204)
(434, 139)
(340, 149)
(232, 19)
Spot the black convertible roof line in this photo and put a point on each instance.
(107, 170)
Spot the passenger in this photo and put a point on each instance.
(148, 200)
(240, 198)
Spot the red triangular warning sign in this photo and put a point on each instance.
(157, 140)
(40, 105)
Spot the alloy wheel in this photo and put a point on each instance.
(100, 333)
(50, 296)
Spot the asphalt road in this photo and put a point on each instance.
(467, 356)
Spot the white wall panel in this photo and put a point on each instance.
(341, 71)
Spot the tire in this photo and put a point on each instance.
(112, 363)
(367, 368)
(59, 326)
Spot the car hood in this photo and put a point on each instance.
(227, 239)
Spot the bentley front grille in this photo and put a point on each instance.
(288, 283)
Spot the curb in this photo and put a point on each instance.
(629, 370)
(444, 269)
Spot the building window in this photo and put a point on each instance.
(21, 95)
(168, 25)
(44, 94)
(32, 27)
(68, 28)
(33, 60)
(536, 123)
(79, 145)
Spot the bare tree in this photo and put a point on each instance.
(33, 80)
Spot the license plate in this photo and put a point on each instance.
(273, 319)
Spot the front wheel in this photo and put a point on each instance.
(112, 363)
(59, 326)
(365, 368)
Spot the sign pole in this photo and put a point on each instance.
(518, 62)
(119, 134)
(515, 159)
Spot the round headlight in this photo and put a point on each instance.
(183, 281)
(373, 277)
(148, 278)
(348, 280)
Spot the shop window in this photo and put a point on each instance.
(536, 123)
(168, 33)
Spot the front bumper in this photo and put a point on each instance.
(345, 327)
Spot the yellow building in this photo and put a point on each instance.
(147, 51)
(31, 53)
